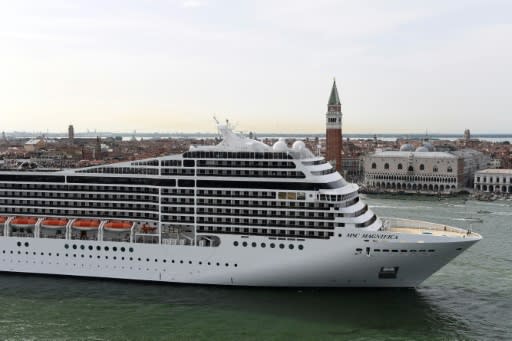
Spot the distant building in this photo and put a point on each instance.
(333, 132)
(493, 181)
(422, 169)
(71, 132)
(33, 145)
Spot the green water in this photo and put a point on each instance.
(471, 298)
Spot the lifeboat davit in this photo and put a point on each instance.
(24, 222)
(118, 225)
(86, 224)
(54, 223)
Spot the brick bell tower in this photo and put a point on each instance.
(333, 134)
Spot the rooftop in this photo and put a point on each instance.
(495, 171)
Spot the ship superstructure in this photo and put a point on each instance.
(238, 213)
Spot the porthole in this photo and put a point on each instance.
(82, 247)
(217, 264)
(138, 259)
(106, 248)
(19, 243)
(98, 248)
(115, 257)
(123, 249)
(301, 247)
(26, 244)
(272, 245)
(291, 246)
(66, 246)
(181, 262)
(147, 259)
(74, 246)
(90, 256)
(244, 244)
(200, 263)
(130, 249)
(226, 264)
(74, 254)
(26, 252)
(114, 248)
(131, 258)
(106, 257)
(236, 265)
(172, 261)
(156, 260)
(81, 256)
(254, 244)
(263, 245)
(189, 262)
(281, 246)
(209, 263)
(90, 247)
(122, 258)
(165, 260)
(235, 243)
(98, 258)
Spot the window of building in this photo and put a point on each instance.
(374, 165)
(422, 167)
(410, 169)
(386, 166)
(449, 170)
(435, 169)
(400, 166)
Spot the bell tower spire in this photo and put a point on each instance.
(333, 134)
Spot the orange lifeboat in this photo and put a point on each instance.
(24, 222)
(118, 225)
(54, 223)
(148, 229)
(86, 224)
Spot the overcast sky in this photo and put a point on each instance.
(162, 65)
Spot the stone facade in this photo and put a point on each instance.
(420, 171)
(493, 181)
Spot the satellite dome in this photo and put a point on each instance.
(280, 146)
(298, 146)
(407, 147)
(422, 149)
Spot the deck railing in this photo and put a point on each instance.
(389, 223)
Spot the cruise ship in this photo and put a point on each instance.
(239, 213)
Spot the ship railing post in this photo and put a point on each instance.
(69, 227)
(159, 215)
(37, 227)
(195, 203)
(7, 226)
(100, 229)
(132, 231)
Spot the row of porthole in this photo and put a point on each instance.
(272, 245)
(131, 258)
(98, 248)
(395, 251)
(90, 247)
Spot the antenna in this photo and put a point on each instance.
(215, 119)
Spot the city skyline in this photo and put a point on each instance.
(167, 66)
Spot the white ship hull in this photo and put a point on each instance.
(332, 263)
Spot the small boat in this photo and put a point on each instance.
(54, 223)
(118, 225)
(148, 229)
(86, 224)
(24, 222)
